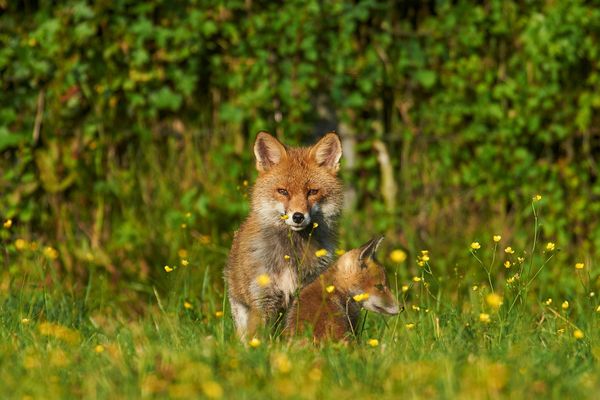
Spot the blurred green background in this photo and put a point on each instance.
(126, 127)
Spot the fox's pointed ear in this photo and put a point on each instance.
(328, 151)
(268, 151)
(367, 250)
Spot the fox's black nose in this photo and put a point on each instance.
(298, 217)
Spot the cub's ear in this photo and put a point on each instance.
(268, 151)
(367, 250)
(328, 151)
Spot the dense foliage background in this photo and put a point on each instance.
(126, 127)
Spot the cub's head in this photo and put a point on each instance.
(297, 186)
(360, 273)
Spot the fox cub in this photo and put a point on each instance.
(331, 305)
(295, 204)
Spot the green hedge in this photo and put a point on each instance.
(146, 110)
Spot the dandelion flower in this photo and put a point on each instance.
(405, 288)
(187, 305)
(315, 225)
(565, 305)
(168, 269)
(410, 326)
(537, 197)
(507, 264)
(550, 246)
(284, 216)
(254, 342)
(398, 256)
(497, 238)
(20, 244)
(99, 349)
(361, 297)
(475, 246)
(578, 334)
(321, 253)
(218, 314)
(494, 300)
(340, 252)
(548, 302)
(373, 342)
(485, 318)
(8, 223)
(330, 289)
(509, 250)
(579, 265)
(416, 279)
(263, 280)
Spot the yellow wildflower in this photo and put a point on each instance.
(245, 182)
(182, 253)
(475, 288)
(25, 321)
(494, 300)
(212, 389)
(578, 334)
(425, 258)
(579, 265)
(485, 318)
(398, 256)
(263, 280)
(188, 215)
(20, 244)
(520, 260)
(282, 363)
(187, 305)
(183, 226)
(284, 216)
(361, 297)
(254, 342)
(286, 257)
(415, 308)
(218, 314)
(405, 288)
(51, 252)
(548, 302)
(416, 279)
(315, 225)
(410, 325)
(99, 349)
(420, 263)
(475, 246)
(507, 264)
(330, 289)
(184, 262)
(373, 342)
(509, 250)
(598, 309)
(537, 197)
(550, 246)
(8, 223)
(497, 238)
(565, 305)
(424, 252)
(321, 253)
(168, 269)
(340, 252)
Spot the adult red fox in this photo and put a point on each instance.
(289, 236)
(330, 305)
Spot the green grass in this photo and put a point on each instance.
(109, 339)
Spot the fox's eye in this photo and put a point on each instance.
(313, 192)
(380, 287)
(283, 192)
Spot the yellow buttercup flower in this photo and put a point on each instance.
(579, 265)
(405, 288)
(415, 307)
(168, 269)
(424, 252)
(8, 223)
(373, 342)
(537, 197)
(494, 300)
(598, 309)
(578, 334)
(315, 225)
(99, 349)
(321, 253)
(286, 257)
(254, 342)
(485, 318)
(20, 244)
(187, 305)
(340, 252)
(548, 302)
(416, 279)
(184, 262)
(263, 280)
(410, 325)
(550, 246)
(475, 288)
(182, 253)
(330, 289)
(361, 297)
(520, 260)
(50, 252)
(212, 389)
(509, 250)
(507, 264)
(284, 216)
(475, 246)
(425, 258)
(497, 238)
(218, 314)
(565, 305)
(398, 256)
